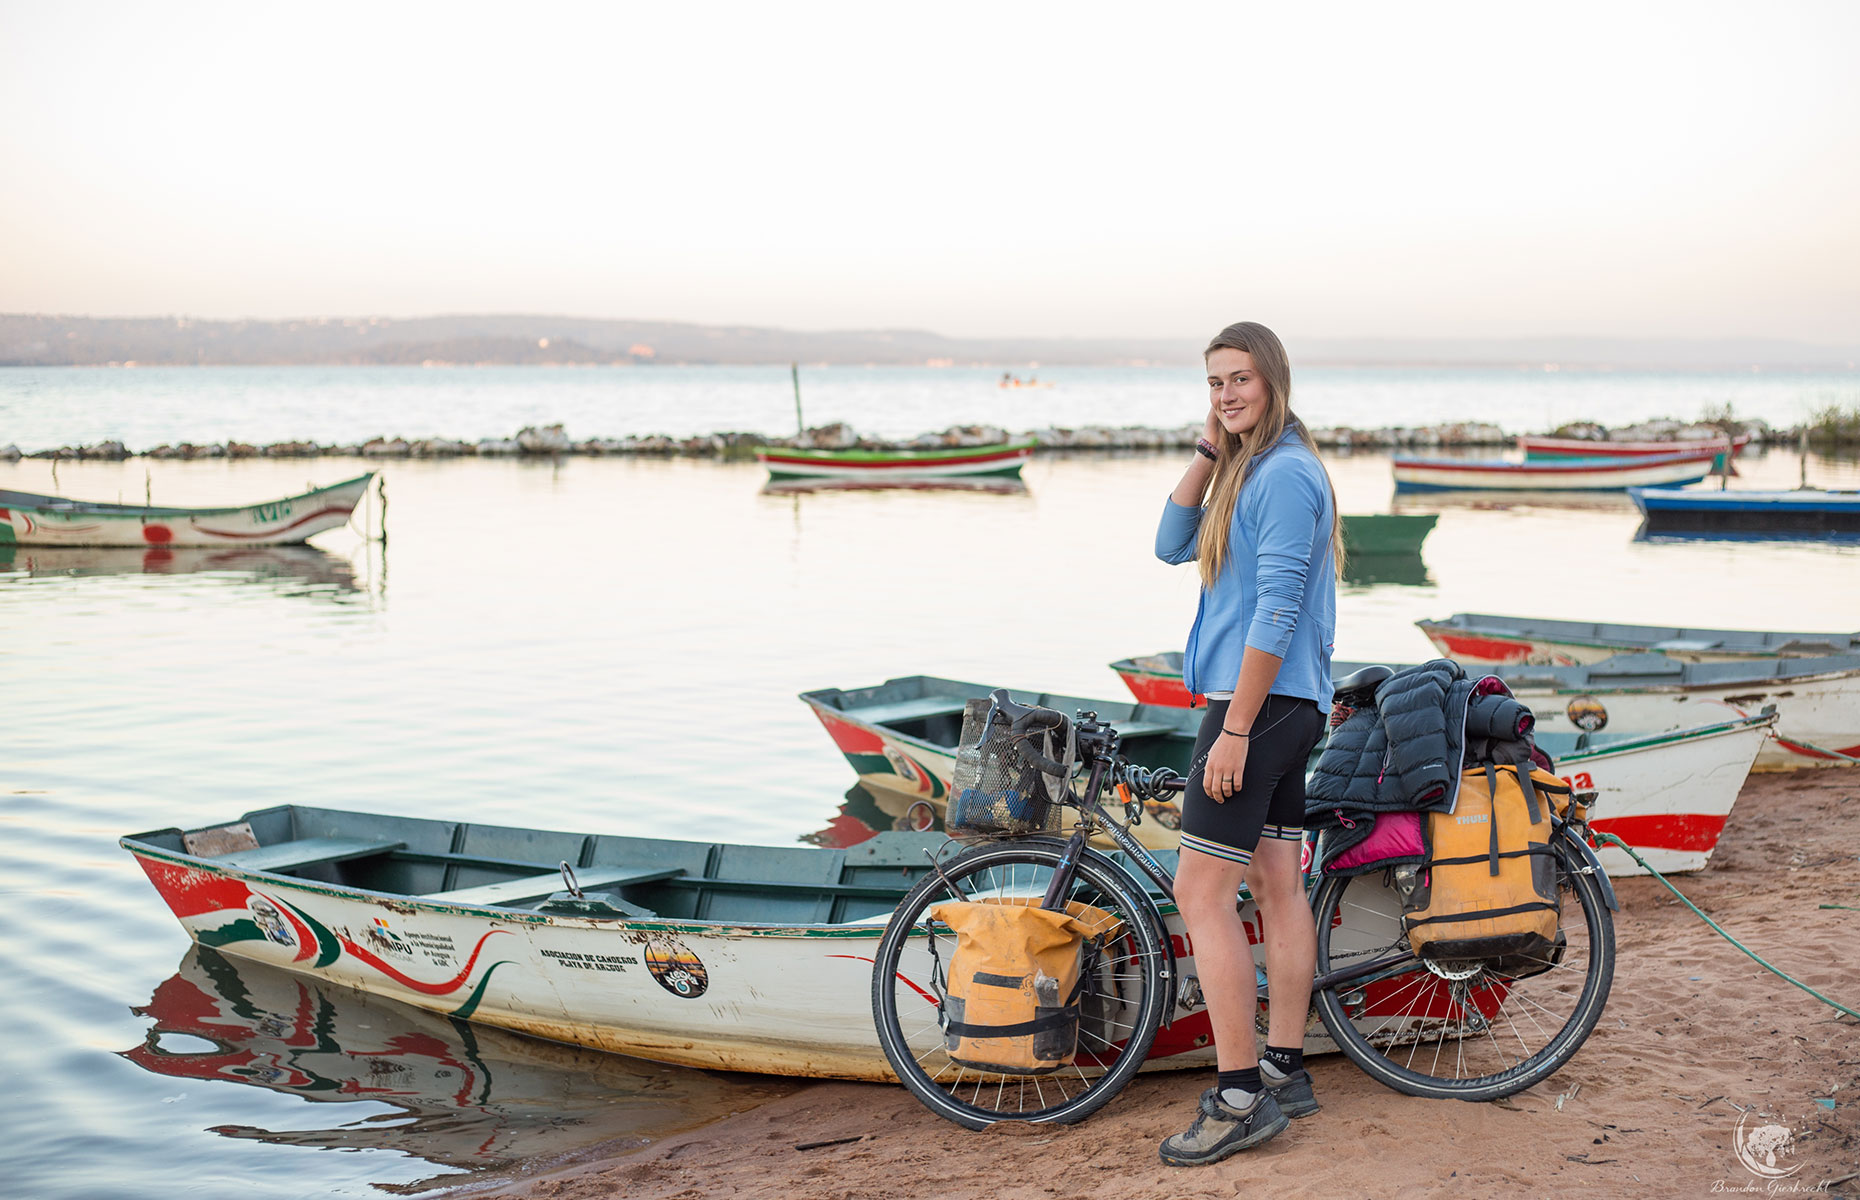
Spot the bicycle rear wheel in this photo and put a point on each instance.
(1125, 989)
(1461, 1030)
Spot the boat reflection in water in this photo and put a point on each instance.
(470, 1096)
(284, 566)
(866, 814)
(1000, 485)
(1500, 500)
(1363, 570)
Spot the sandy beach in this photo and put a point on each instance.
(1696, 1037)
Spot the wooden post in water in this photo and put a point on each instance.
(795, 370)
(1802, 452)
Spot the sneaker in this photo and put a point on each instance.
(1293, 1092)
(1221, 1129)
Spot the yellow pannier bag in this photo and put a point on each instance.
(1488, 889)
(1012, 999)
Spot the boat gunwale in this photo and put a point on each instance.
(1649, 741)
(524, 916)
(1511, 634)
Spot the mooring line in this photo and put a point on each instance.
(1613, 840)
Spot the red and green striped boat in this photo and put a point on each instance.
(1005, 458)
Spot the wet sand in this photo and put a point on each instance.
(1694, 1034)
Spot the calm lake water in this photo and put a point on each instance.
(594, 644)
(43, 408)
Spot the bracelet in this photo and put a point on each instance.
(1204, 447)
(1235, 733)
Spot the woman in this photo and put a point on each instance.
(1269, 545)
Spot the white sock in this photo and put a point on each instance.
(1237, 1098)
(1267, 1067)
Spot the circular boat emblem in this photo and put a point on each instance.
(677, 967)
(1587, 714)
(906, 769)
(270, 921)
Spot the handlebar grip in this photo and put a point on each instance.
(1039, 762)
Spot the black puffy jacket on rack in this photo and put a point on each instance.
(1406, 751)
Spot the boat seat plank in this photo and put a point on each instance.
(305, 852)
(530, 887)
(1137, 729)
(909, 710)
(781, 887)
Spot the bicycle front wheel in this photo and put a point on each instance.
(1125, 988)
(1471, 1030)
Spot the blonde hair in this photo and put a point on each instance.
(1236, 453)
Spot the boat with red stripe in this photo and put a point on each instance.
(30, 519)
(1005, 458)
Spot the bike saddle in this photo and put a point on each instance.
(1359, 687)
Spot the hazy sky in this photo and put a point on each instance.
(1685, 169)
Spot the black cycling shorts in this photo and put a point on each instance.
(1271, 799)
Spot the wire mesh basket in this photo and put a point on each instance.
(995, 787)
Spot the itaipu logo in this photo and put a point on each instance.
(1760, 1146)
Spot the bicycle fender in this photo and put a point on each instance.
(1594, 866)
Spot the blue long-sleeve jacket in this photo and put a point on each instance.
(1278, 592)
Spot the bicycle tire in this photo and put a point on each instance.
(1124, 1002)
(1492, 1027)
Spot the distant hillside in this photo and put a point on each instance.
(34, 340)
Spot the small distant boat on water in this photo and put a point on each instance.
(1536, 446)
(1569, 474)
(1817, 699)
(1484, 637)
(28, 519)
(1386, 534)
(1805, 511)
(999, 485)
(1002, 459)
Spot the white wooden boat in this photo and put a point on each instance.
(1485, 637)
(1542, 446)
(1817, 700)
(28, 519)
(1570, 474)
(900, 737)
(1666, 794)
(744, 958)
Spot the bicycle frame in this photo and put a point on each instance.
(1101, 743)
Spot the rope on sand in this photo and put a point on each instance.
(1611, 839)
(1834, 754)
